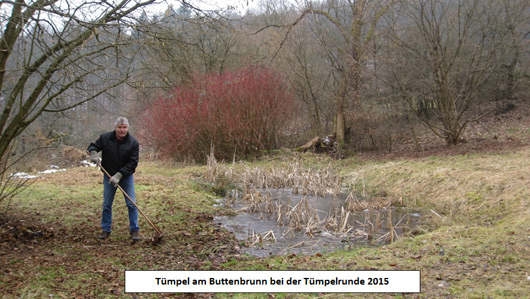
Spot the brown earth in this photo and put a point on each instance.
(27, 244)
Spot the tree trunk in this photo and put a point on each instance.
(340, 124)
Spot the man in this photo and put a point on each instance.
(120, 154)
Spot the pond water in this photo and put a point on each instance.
(267, 225)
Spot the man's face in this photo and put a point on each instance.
(121, 131)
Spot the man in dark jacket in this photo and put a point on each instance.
(120, 154)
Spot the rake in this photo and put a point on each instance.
(158, 237)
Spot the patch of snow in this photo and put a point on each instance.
(51, 171)
(24, 175)
(87, 163)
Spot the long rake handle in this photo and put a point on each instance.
(130, 199)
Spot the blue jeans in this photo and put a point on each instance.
(127, 183)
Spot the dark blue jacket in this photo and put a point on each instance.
(117, 156)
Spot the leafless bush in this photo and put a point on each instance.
(10, 184)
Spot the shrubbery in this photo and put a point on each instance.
(239, 112)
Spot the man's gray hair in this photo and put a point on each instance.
(121, 121)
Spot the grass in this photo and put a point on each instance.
(475, 241)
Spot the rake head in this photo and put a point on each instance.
(157, 238)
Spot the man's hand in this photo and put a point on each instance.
(95, 158)
(115, 179)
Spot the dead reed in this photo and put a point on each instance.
(302, 216)
(256, 238)
(354, 204)
(302, 181)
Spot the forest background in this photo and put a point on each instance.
(377, 76)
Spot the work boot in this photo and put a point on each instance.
(135, 236)
(104, 234)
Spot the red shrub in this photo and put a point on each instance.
(240, 112)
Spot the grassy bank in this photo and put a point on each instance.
(474, 242)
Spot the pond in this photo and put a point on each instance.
(282, 221)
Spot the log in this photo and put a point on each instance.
(319, 145)
(311, 145)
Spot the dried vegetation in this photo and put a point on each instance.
(259, 186)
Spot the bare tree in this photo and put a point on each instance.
(179, 44)
(300, 61)
(304, 77)
(515, 21)
(345, 30)
(445, 52)
(57, 55)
